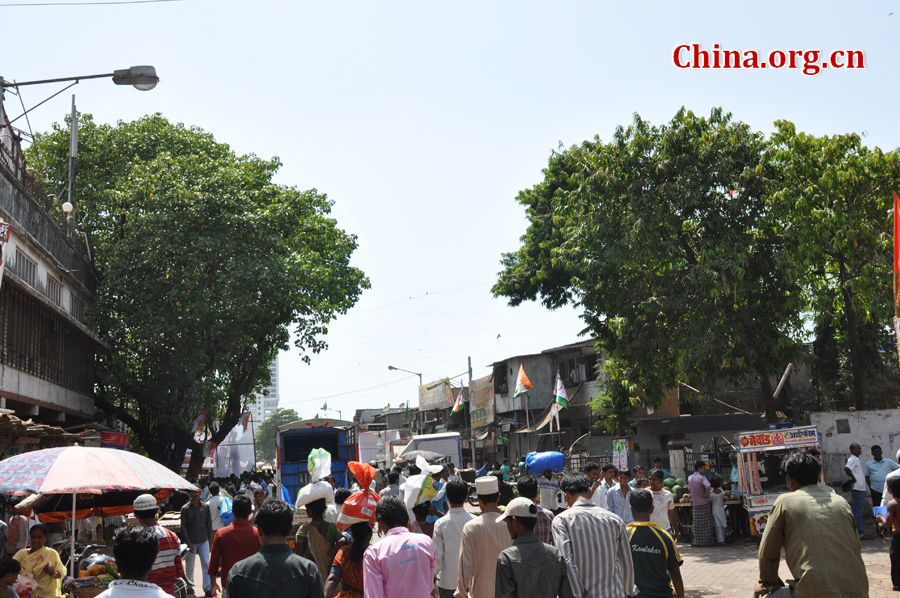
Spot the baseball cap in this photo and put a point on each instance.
(145, 502)
(519, 507)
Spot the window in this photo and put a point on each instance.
(54, 290)
(25, 267)
(77, 308)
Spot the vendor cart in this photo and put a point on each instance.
(759, 460)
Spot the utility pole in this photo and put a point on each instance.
(469, 411)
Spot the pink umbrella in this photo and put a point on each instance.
(82, 470)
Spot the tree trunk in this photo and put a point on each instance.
(768, 393)
(195, 467)
(853, 339)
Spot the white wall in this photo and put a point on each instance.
(839, 430)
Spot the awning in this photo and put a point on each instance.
(483, 435)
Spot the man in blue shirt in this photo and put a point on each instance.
(877, 470)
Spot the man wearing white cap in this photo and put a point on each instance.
(529, 568)
(167, 567)
(482, 542)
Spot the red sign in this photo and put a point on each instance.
(115, 440)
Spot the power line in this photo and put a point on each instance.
(88, 3)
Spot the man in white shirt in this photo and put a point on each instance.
(451, 469)
(854, 469)
(135, 551)
(598, 491)
(215, 507)
(550, 494)
(447, 535)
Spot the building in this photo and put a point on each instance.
(47, 288)
(267, 401)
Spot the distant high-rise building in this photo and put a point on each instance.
(266, 404)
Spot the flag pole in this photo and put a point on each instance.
(469, 413)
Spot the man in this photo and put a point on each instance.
(528, 488)
(522, 468)
(447, 536)
(598, 490)
(274, 570)
(818, 455)
(816, 529)
(196, 530)
(638, 473)
(657, 464)
(401, 565)
(877, 470)
(204, 490)
(452, 474)
(529, 568)
(657, 564)
(505, 469)
(136, 549)
(551, 497)
(482, 542)
(698, 485)
(854, 469)
(619, 497)
(232, 543)
(663, 513)
(593, 543)
(167, 567)
(249, 486)
(215, 507)
(17, 532)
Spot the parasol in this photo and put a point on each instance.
(427, 455)
(83, 471)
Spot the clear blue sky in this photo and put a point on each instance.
(422, 120)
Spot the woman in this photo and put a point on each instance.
(43, 563)
(316, 540)
(347, 569)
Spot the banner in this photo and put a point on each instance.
(778, 439)
(481, 405)
(115, 440)
(435, 395)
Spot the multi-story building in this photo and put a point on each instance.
(267, 402)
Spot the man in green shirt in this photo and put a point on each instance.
(817, 530)
(505, 469)
(657, 563)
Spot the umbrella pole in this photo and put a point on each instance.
(72, 542)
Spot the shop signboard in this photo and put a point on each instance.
(435, 395)
(762, 501)
(778, 439)
(482, 403)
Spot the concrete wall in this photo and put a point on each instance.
(38, 393)
(839, 430)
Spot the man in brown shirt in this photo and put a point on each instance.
(818, 532)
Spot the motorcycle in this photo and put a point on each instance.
(182, 584)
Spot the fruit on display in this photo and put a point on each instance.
(680, 482)
(103, 580)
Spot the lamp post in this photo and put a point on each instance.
(390, 367)
(142, 78)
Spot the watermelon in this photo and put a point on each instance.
(676, 490)
(668, 483)
(680, 482)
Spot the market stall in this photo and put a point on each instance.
(759, 461)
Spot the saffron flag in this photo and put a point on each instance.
(198, 423)
(560, 392)
(245, 420)
(458, 405)
(523, 384)
(896, 246)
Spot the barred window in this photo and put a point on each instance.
(54, 290)
(77, 308)
(26, 268)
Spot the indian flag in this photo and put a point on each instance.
(458, 405)
(560, 392)
(523, 384)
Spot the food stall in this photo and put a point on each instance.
(759, 460)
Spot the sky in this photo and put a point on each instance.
(423, 120)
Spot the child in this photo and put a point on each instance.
(717, 498)
(657, 564)
(642, 482)
(893, 521)
(9, 572)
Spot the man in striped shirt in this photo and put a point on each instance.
(594, 543)
(167, 567)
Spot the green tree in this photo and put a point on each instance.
(205, 267)
(664, 238)
(265, 433)
(834, 199)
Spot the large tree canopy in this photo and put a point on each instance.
(265, 433)
(664, 237)
(206, 266)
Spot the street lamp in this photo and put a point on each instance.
(390, 367)
(140, 77)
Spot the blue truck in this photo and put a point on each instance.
(295, 440)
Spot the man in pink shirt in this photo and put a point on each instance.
(402, 564)
(704, 534)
